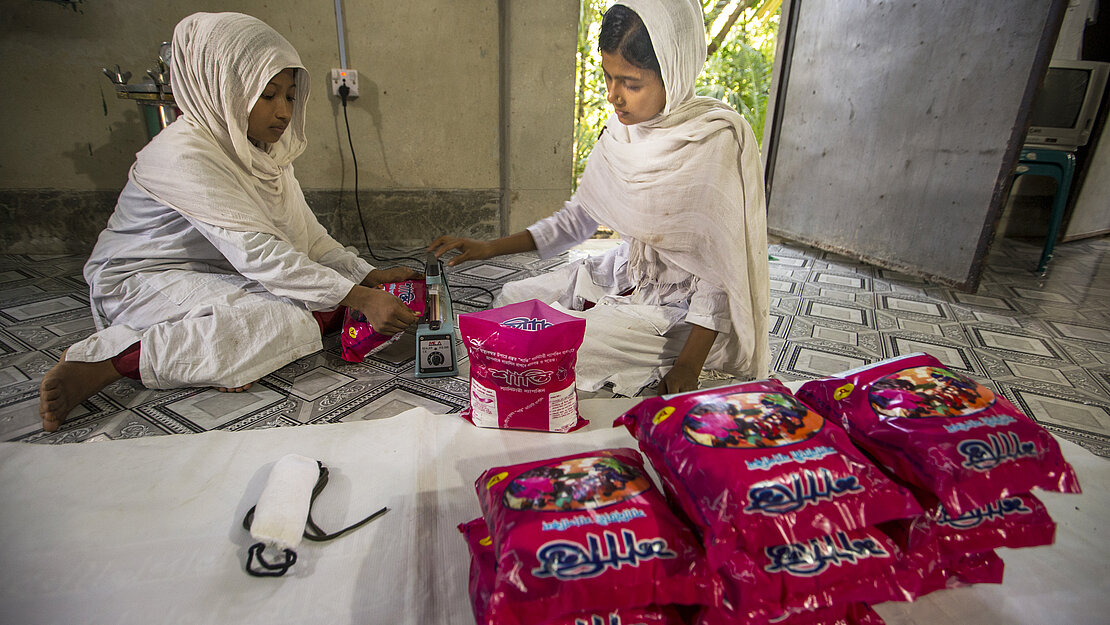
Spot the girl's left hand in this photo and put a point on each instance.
(392, 274)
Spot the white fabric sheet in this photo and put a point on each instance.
(706, 304)
(642, 331)
(148, 531)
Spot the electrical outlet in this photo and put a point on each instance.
(349, 76)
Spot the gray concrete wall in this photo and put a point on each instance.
(435, 93)
(899, 122)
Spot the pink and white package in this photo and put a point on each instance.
(522, 359)
(943, 432)
(359, 339)
(483, 563)
(587, 533)
(752, 466)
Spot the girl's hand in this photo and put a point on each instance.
(679, 380)
(392, 274)
(469, 249)
(384, 311)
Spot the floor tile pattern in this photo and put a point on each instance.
(1043, 342)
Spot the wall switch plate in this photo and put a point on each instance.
(348, 76)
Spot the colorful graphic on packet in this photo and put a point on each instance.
(920, 392)
(577, 484)
(941, 432)
(611, 544)
(773, 488)
(751, 420)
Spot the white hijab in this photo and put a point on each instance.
(687, 191)
(202, 164)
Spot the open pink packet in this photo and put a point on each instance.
(359, 339)
(522, 359)
(587, 532)
(938, 430)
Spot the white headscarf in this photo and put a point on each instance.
(203, 165)
(688, 190)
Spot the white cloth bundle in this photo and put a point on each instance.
(283, 507)
(203, 165)
(686, 189)
(283, 515)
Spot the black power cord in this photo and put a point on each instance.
(345, 91)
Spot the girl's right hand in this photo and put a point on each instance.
(386, 313)
(469, 249)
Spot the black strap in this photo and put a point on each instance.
(312, 532)
(267, 569)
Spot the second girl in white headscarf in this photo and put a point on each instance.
(678, 177)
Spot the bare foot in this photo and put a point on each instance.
(235, 389)
(68, 384)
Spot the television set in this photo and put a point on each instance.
(1065, 105)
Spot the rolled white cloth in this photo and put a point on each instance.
(282, 510)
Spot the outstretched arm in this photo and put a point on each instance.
(473, 249)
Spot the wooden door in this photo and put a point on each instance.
(897, 125)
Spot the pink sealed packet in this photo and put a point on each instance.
(483, 563)
(943, 432)
(752, 466)
(823, 572)
(359, 339)
(522, 359)
(1016, 521)
(984, 567)
(849, 614)
(587, 532)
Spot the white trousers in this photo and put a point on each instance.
(199, 329)
(628, 345)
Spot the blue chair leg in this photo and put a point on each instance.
(1059, 205)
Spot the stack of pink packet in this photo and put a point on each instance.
(786, 506)
(584, 538)
(970, 457)
(885, 483)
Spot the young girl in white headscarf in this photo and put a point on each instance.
(678, 177)
(213, 271)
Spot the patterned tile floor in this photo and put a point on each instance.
(1043, 343)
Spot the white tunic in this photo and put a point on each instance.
(211, 306)
(634, 331)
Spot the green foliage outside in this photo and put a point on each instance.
(741, 35)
